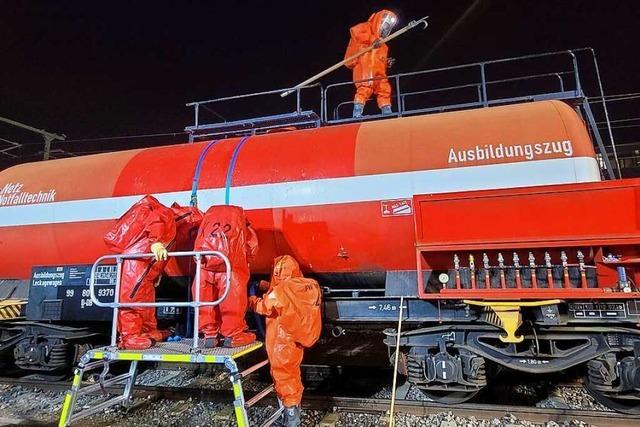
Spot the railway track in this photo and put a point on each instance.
(340, 404)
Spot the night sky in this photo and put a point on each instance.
(95, 69)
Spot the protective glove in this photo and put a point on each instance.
(159, 251)
(376, 43)
(264, 285)
(390, 62)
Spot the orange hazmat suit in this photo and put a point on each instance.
(147, 222)
(225, 229)
(373, 64)
(292, 310)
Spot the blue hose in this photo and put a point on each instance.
(196, 174)
(194, 202)
(253, 289)
(259, 325)
(232, 165)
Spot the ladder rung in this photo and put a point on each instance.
(254, 368)
(274, 417)
(90, 411)
(92, 365)
(95, 387)
(249, 403)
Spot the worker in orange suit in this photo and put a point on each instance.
(373, 64)
(225, 229)
(148, 226)
(292, 309)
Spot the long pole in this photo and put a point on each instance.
(334, 67)
(395, 366)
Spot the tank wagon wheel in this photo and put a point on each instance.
(624, 403)
(613, 379)
(449, 397)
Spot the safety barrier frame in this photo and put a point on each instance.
(169, 352)
(116, 304)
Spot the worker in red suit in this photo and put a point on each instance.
(188, 220)
(148, 226)
(225, 229)
(373, 64)
(292, 309)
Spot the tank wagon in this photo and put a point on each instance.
(493, 229)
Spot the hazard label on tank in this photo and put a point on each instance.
(397, 207)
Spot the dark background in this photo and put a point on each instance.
(93, 69)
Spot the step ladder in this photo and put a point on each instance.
(183, 351)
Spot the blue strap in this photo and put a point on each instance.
(232, 165)
(196, 174)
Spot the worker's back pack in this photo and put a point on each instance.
(146, 219)
(303, 319)
(222, 230)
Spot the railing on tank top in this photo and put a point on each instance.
(116, 305)
(549, 75)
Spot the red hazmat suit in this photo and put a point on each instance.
(373, 63)
(292, 309)
(188, 219)
(225, 229)
(145, 223)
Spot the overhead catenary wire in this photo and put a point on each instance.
(614, 98)
(621, 127)
(12, 146)
(608, 98)
(629, 119)
(107, 138)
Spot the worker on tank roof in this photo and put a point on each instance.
(148, 226)
(291, 306)
(225, 229)
(371, 66)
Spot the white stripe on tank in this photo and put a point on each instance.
(324, 191)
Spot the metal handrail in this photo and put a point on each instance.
(558, 75)
(298, 91)
(116, 304)
(484, 100)
(404, 95)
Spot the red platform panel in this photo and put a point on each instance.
(601, 220)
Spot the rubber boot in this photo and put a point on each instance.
(357, 110)
(386, 110)
(135, 342)
(240, 339)
(292, 416)
(210, 336)
(209, 342)
(210, 331)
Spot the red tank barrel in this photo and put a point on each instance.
(338, 198)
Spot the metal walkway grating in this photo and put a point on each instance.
(181, 351)
(184, 347)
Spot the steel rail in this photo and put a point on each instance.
(357, 404)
